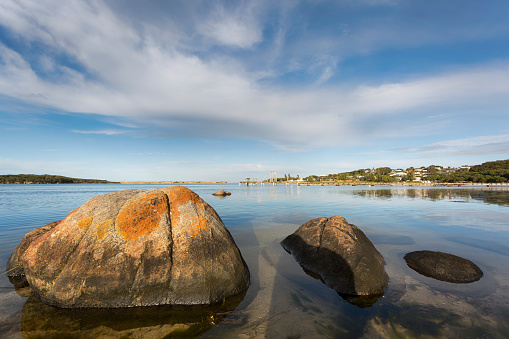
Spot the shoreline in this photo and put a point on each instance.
(172, 182)
(367, 183)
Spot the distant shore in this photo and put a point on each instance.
(173, 182)
(38, 179)
(367, 183)
(27, 179)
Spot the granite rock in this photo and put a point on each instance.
(222, 193)
(138, 247)
(341, 254)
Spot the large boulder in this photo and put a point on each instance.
(136, 248)
(341, 254)
(443, 266)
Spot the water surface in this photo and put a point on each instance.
(283, 301)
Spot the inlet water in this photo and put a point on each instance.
(283, 301)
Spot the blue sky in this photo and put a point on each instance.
(224, 90)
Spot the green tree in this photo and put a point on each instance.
(383, 171)
(409, 176)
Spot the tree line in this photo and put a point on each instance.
(46, 179)
(488, 172)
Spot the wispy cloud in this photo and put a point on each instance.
(8, 165)
(325, 66)
(234, 27)
(188, 162)
(102, 132)
(482, 145)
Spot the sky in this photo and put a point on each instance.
(129, 90)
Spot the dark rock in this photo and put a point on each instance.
(341, 254)
(222, 193)
(136, 248)
(443, 266)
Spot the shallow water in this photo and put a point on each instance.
(283, 301)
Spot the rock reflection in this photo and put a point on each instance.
(361, 301)
(41, 320)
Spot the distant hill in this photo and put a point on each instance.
(499, 165)
(488, 172)
(47, 179)
(492, 171)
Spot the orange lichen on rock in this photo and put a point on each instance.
(85, 222)
(141, 215)
(103, 227)
(180, 196)
(199, 225)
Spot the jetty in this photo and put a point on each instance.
(248, 182)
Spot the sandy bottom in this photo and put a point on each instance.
(284, 302)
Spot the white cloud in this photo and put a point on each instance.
(130, 73)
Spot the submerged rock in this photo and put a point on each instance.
(443, 266)
(222, 193)
(341, 254)
(136, 248)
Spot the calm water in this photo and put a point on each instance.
(282, 301)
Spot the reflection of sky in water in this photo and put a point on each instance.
(284, 301)
(463, 208)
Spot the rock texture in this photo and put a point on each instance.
(443, 266)
(14, 265)
(222, 193)
(340, 254)
(136, 248)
